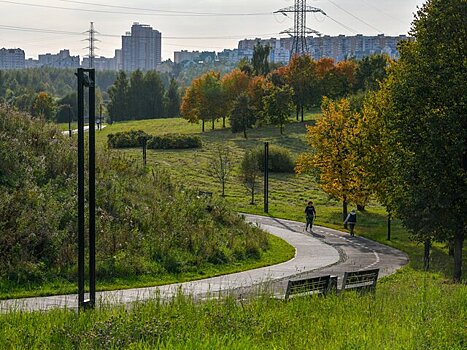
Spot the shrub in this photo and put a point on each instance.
(126, 139)
(280, 159)
(133, 139)
(174, 141)
(147, 223)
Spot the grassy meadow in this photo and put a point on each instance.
(411, 309)
(288, 193)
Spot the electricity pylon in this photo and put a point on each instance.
(299, 30)
(92, 48)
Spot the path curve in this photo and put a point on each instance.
(326, 251)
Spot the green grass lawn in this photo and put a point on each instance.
(411, 309)
(288, 193)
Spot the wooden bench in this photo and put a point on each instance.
(321, 285)
(361, 281)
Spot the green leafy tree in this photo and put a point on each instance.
(233, 85)
(173, 97)
(245, 66)
(151, 97)
(118, 95)
(371, 70)
(204, 99)
(44, 106)
(260, 60)
(278, 105)
(136, 109)
(242, 115)
(301, 77)
(424, 127)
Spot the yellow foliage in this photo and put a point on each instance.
(336, 152)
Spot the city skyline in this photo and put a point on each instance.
(204, 25)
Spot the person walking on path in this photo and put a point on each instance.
(351, 220)
(310, 213)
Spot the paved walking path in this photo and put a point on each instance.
(326, 251)
(86, 128)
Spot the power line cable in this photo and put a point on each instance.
(132, 13)
(342, 25)
(52, 31)
(169, 11)
(383, 12)
(357, 18)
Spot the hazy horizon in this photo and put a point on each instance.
(191, 25)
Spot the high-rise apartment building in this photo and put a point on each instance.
(12, 59)
(339, 47)
(141, 48)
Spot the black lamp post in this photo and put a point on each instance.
(86, 80)
(266, 177)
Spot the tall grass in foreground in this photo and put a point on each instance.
(403, 314)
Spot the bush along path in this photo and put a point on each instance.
(326, 251)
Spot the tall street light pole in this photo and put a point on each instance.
(86, 78)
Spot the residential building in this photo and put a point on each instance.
(185, 55)
(141, 48)
(63, 59)
(12, 59)
(101, 63)
(195, 56)
(339, 47)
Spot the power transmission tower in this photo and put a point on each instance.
(299, 30)
(92, 48)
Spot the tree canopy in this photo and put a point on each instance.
(423, 127)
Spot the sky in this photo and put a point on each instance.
(47, 26)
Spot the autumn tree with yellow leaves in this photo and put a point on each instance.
(336, 154)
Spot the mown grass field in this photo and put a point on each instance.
(288, 193)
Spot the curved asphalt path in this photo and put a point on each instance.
(323, 252)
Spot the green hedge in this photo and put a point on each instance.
(127, 139)
(280, 159)
(174, 141)
(134, 138)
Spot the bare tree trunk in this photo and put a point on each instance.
(426, 255)
(298, 110)
(344, 210)
(223, 188)
(212, 123)
(252, 195)
(203, 125)
(458, 243)
(223, 121)
(302, 111)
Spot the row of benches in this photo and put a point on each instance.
(361, 281)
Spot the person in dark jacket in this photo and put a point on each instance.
(351, 220)
(310, 214)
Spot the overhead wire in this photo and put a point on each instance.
(357, 18)
(53, 31)
(342, 25)
(383, 12)
(179, 14)
(169, 11)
